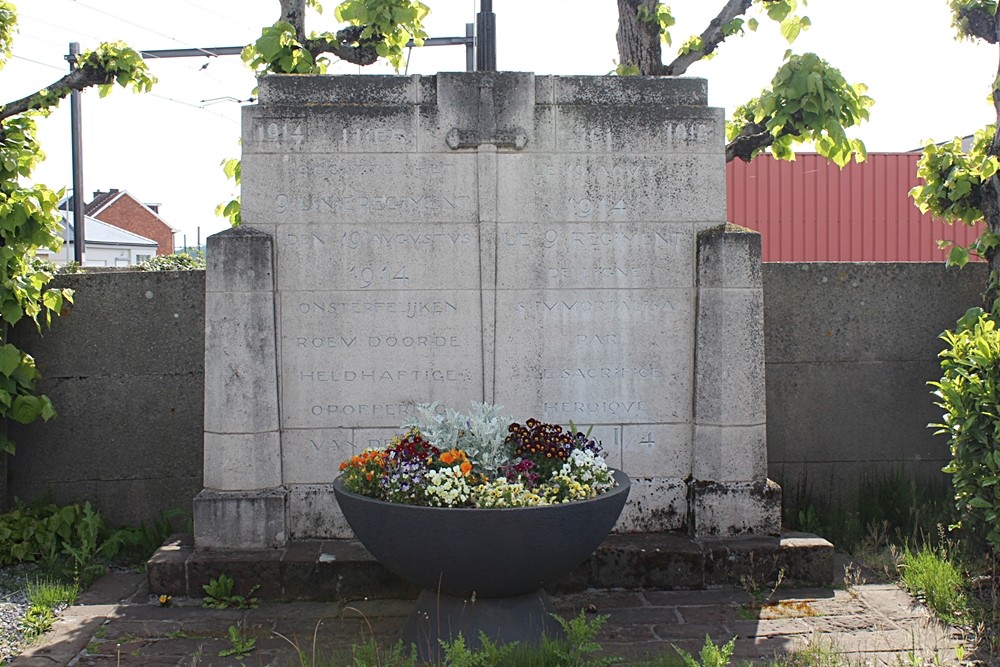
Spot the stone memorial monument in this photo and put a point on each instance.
(555, 245)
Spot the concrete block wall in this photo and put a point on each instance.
(849, 349)
(125, 370)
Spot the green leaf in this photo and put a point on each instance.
(10, 359)
(26, 409)
(958, 256)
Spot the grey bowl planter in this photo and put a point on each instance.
(488, 553)
(481, 569)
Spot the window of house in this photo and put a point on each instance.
(142, 258)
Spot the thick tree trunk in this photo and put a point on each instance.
(639, 41)
(294, 12)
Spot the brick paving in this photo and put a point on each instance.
(118, 624)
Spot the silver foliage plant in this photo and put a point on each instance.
(481, 434)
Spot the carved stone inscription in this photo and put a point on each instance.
(302, 188)
(359, 358)
(338, 130)
(378, 257)
(640, 130)
(596, 356)
(612, 188)
(609, 255)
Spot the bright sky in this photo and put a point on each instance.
(166, 147)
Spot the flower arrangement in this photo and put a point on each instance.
(481, 459)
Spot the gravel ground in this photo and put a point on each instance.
(13, 605)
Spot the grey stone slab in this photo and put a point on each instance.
(730, 388)
(729, 256)
(242, 461)
(582, 355)
(240, 259)
(735, 508)
(240, 366)
(313, 456)
(602, 128)
(298, 189)
(730, 453)
(595, 255)
(657, 450)
(630, 90)
(341, 89)
(369, 257)
(653, 505)
(240, 519)
(611, 188)
(314, 513)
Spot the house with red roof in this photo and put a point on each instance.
(121, 209)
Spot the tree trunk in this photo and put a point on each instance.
(294, 12)
(639, 41)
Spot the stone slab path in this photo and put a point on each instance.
(116, 623)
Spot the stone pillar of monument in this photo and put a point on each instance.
(729, 493)
(243, 503)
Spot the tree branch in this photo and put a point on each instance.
(710, 38)
(979, 23)
(347, 46)
(78, 79)
(752, 137)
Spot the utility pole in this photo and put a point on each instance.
(76, 130)
(76, 127)
(486, 43)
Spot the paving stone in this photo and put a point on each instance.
(718, 614)
(871, 624)
(698, 598)
(769, 628)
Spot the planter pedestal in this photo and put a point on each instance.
(519, 618)
(481, 569)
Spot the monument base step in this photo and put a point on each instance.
(343, 569)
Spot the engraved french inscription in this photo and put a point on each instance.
(596, 356)
(618, 255)
(638, 130)
(611, 188)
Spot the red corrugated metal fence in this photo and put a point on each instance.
(811, 211)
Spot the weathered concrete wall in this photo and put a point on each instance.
(850, 348)
(125, 371)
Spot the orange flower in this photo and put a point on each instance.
(448, 458)
(466, 467)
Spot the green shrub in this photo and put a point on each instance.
(969, 393)
(933, 577)
(178, 261)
